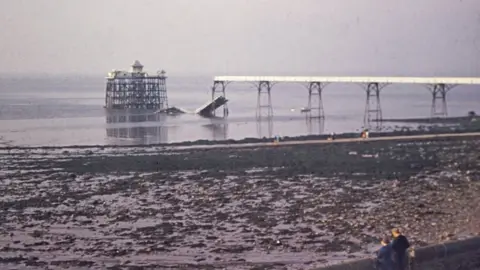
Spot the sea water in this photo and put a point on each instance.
(68, 110)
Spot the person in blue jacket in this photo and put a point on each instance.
(385, 255)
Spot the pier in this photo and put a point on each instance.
(136, 89)
(438, 86)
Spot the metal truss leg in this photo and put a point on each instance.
(218, 89)
(264, 110)
(315, 107)
(373, 109)
(439, 92)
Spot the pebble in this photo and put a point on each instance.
(309, 196)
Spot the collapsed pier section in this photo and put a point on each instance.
(136, 89)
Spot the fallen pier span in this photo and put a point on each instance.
(208, 109)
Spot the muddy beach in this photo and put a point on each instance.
(283, 207)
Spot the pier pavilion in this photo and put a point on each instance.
(136, 89)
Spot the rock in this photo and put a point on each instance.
(37, 234)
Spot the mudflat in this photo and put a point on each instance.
(281, 207)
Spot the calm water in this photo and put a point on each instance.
(69, 111)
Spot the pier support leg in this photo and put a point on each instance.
(218, 89)
(373, 109)
(439, 100)
(315, 103)
(264, 107)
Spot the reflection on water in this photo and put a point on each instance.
(147, 127)
(218, 128)
(265, 127)
(315, 126)
(138, 127)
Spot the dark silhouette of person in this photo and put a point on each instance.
(400, 245)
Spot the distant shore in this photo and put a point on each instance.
(436, 120)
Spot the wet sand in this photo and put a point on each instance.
(282, 207)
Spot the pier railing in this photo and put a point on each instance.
(455, 255)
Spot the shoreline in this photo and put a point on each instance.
(411, 127)
(435, 120)
(403, 132)
(291, 206)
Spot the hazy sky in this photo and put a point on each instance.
(242, 37)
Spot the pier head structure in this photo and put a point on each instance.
(136, 89)
(438, 86)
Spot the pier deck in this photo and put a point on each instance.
(438, 86)
(334, 79)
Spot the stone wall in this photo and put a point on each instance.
(457, 255)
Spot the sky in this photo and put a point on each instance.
(242, 37)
